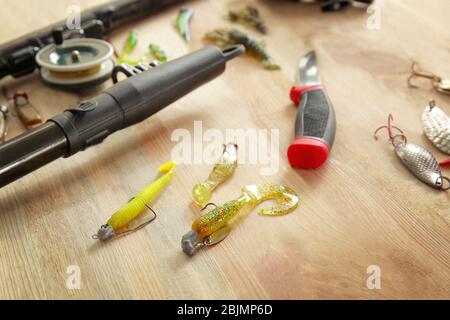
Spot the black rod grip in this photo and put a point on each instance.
(30, 151)
(315, 128)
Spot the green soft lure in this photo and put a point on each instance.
(158, 53)
(128, 49)
(183, 23)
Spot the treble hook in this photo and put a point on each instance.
(416, 72)
(389, 128)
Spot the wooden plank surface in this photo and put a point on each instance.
(363, 208)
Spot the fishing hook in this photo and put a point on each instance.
(389, 128)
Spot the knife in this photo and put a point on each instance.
(315, 127)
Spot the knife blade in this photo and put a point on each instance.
(315, 126)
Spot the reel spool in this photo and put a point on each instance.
(76, 64)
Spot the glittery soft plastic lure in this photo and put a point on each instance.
(130, 45)
(3, 122)
(439, 84)
(215, 226)
(224, 37)
(249, 17)
(158, 53)
(121, 219)
(417, 159)
(436, 126)
(183, 23)
(221, 171)
(27, 113)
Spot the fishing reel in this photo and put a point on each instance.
(75, 64)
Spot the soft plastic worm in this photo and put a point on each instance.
(224, 37)
(248, 16)
(215, 225)
(130, 45)
(121, 218)
(222, 170)
(182, 23)
(158, 53)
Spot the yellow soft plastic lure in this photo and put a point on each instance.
(215, 226)
(221, 171)
(133, 209)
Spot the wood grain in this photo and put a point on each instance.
(363, 208)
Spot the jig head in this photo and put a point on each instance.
(417, 159)
(438, 83)
(436, 126)
(215, 225)
(3, 122)
(121, 219)
(182, 23)
(223, 169)
(223, 37)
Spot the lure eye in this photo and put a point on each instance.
(441, 181)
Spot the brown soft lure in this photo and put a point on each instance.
(417, 159)
(248, 16)
(223, 37)
(215, 225)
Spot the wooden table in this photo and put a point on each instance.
(362, 208)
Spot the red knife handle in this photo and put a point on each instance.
(315, 127)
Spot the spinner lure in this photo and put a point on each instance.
(417, 159)
(438, 83)
(436, 126)
(215, 225)
(3, 122)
